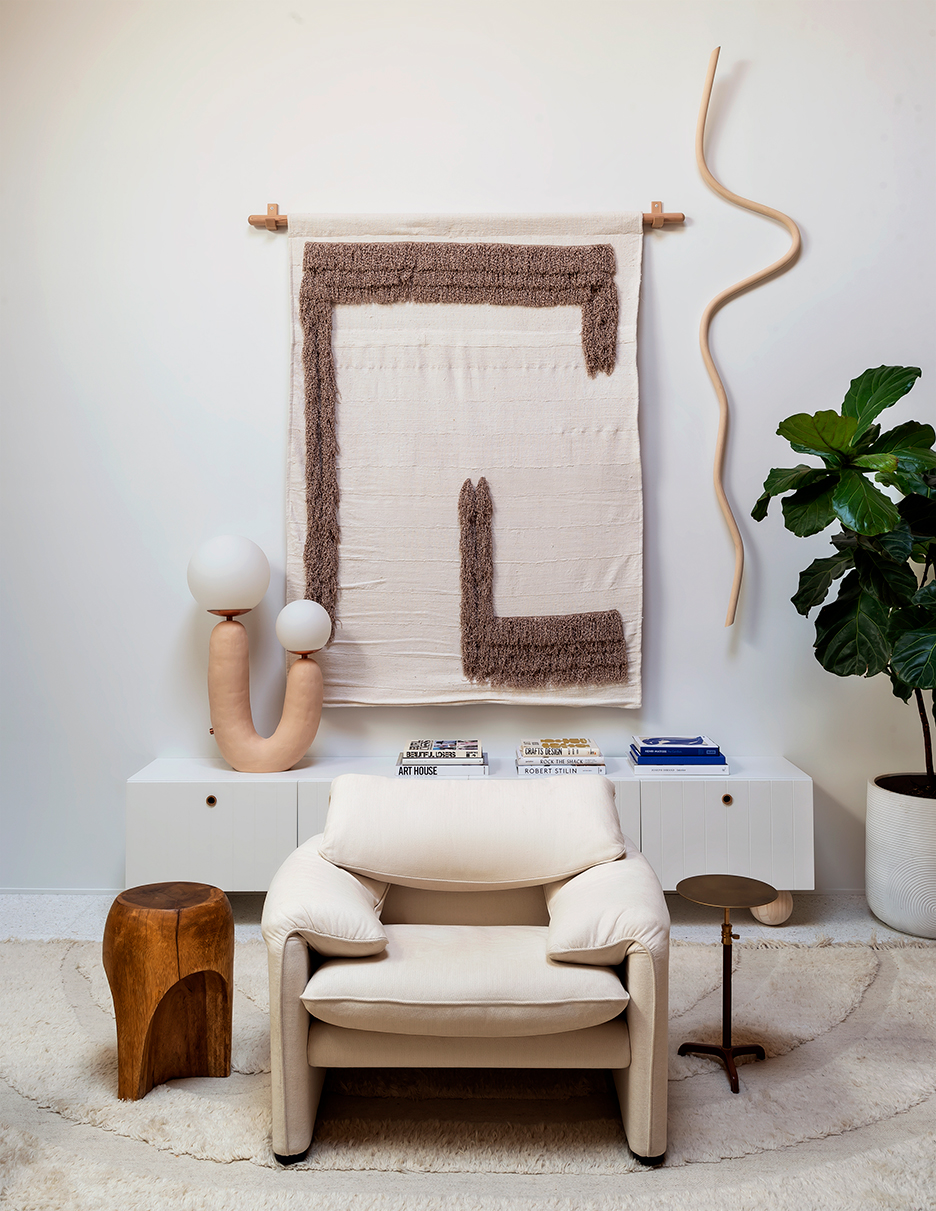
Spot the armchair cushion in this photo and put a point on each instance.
(600, 914)
(332, 909)
(463, 980)
(445, 836)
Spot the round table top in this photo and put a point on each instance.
(170, 896)
(726, 891)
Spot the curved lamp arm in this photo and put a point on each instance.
(715, 305)
(229, 702)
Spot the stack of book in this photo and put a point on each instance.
(442, 759)
(680, 755)
(575, 755)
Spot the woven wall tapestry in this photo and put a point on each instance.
(464, 489)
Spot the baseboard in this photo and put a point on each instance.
(835, 891)
(61, 891)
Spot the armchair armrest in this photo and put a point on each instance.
(312, 909)
(333, 910)
(616, 914)
(599, 915)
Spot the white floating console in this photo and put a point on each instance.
(195, 818)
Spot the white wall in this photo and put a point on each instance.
(147, 342)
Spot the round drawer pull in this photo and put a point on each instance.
(211, 800)
(727, 800)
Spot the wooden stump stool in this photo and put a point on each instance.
(169, 958)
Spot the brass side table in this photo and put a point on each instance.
(727, 892)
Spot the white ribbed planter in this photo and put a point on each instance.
(900, 860)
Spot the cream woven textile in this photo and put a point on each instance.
(429, 396)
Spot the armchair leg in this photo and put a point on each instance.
(291, 1160)
(651, 1161)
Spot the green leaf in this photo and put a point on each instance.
(870, 393)
(907, 482)
(920, 514)
(851, 633)
(893, 584)
(876, 462)
(810, 509)
(908, 458)
(864, 443)
(908, 436)
(914, 658)
(815, 582)
(822, 434)
(926, 596)
(915, 459)
(782, 479)
(900, 688)
(845, 540)
(859, 505)
(896, 544)
(909, 618)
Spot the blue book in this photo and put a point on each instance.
(676, 746)
(661, 769)
(667, 758)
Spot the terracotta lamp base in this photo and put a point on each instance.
(229, 701)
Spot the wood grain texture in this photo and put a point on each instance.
(715, 305)
(169, 957)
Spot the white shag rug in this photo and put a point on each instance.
(849, 1030)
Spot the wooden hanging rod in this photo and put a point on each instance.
(274, 221)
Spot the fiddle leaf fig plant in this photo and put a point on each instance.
(883, 619)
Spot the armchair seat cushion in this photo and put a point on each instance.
(463, 980)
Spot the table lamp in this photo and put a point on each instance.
(228, 576)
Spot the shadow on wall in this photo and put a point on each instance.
(839, 840)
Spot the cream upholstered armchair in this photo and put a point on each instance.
(477, 923)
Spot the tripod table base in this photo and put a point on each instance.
(726, 1055)
(726, 892)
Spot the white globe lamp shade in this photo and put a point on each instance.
(228, 574)
(303, 626)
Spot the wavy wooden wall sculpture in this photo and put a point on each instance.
(714, 306)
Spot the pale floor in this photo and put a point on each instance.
(816, 917)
